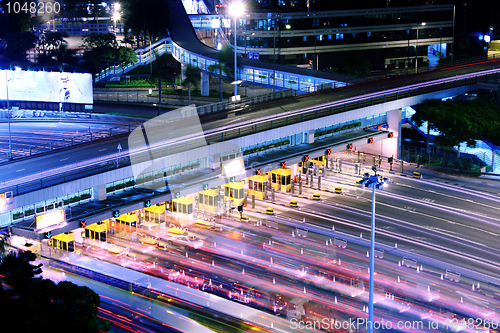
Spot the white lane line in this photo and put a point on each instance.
(64, 159)
(102, 149)
(21, 170)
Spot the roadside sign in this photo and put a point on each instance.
(253, 55)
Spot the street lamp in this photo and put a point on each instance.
(116, 15)
(236, 9)
(8, 113)
(373, 182)
(416, 50)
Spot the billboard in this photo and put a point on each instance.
(58, 87)
(49, 219)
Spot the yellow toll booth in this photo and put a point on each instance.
(256, 185)
(208, 200)
(126, 222)
(97, 230)
(280, 179)
(64, 241)
(235, 191)
(153, 213)
(319, 161)
(183, 205)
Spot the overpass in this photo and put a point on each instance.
(264, 138)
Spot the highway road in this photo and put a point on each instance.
(52, 160)
(128, 312)
(451, 227)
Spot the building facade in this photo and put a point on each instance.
(387, 37)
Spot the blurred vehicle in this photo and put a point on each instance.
(147, 228)
(175, 236)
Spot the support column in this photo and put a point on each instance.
(183, 71)
(394, 118)
(300, 188)
(204, 84)
(492, 159)
(310, 136)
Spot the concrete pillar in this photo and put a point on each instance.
(357, 168)
(292, 187)
(300, 188)
(492, 160)
(253, 200)
(204, 84)
(265, 191)
(183, 71)
(99, 193)
(331, 164)
(310, 136)
(324, 172)
(311, 180)
(401, 166)
(340, 165)
(394, 118)
(272, 194)
(319, 182)
(307, 177)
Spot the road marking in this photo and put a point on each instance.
(64, 159)
(21, 170)
(102, 149)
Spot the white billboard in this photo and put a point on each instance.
(58, 87)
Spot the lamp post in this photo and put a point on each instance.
(373, 182)
(8, 114)
(236, 9)
(416, 50)
(116, 15)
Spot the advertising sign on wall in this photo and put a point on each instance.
(48, 219)
(58, 87)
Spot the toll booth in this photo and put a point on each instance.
(208, 200)
(126, 222)
(182, 212)
(256, 185)
(235, 191)
(280, 179)
(154, 213)
(97, 231)
(319, 161)
(64, 241)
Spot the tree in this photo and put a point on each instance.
(356, 65)
(193, 77)
(166, 67)
(17, 45)
(125, 57)
(222, 65)
(146, 17)
(20, 21)
(96, 40)
(103, 52)
(16, 269)
(460, 121)
(48, 45)
(99, 58)
(128, 40)
(28, 302)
